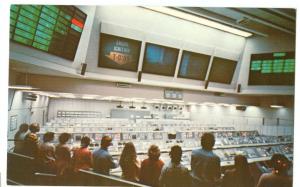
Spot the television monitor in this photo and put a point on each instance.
(50, 28)
(119, 53)
(193, 65)
(171, 136)
(160, 60)
(222, 70)
(276, 68)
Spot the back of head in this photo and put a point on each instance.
(241, 164)
(106, 141)
(128, 154)
(175, 154)
(153, 152)
(48, 136)
(280, 164)
(64, 137)
(207, 141)
(85, 141)
(34, 127)
(24, 127)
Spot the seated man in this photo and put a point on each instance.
(103, 161)
(205, 164)
(175, 174)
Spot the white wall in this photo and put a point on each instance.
(251, 119)
(26, 111)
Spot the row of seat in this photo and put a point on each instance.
(21, 171)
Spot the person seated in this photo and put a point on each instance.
(82, 157)
(175, 174)
(103, 161)
(46, 154)
(19, 138)
(129, 163)
(240, 175)
(63, 154)
(32, 140)
(151, 167)
(205, 164)
(279, 176)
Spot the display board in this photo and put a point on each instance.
(272, 69)
(193, 65)
(160, 60)
(49, 28)
(222, 70)
(118, 52)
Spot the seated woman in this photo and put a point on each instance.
(129, 164)
(63, 154)
(279, 176)
(240, 175)
(46, 154)
(82, 157)
(151, 167)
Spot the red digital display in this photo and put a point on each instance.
(77, 23)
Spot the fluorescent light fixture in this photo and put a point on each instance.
(209, 104)
(199, 20)
(191, 103)
(21, 87)
(276, 106)
(224, 104)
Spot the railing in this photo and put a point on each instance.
(21, 170)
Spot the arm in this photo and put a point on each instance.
(162, 177)
(261, 181)
(112, 163)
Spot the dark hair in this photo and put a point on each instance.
(153, 152)
(106, 141)
(280, 163)
(128, 155)
(64, 137)
(207, 141)
(175, 154)
(48, 136)
(85, 141)
(23, 127)
(34, 127)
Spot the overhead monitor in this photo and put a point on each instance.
(193, 65)
(276, 68)
(222, 70)
(119, 53)
(49, 28)
(160, 60)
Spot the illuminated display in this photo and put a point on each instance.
(50, 28)
(193, 65)
(222, 70)
(118, 52)
(272, 69)
(160, 60)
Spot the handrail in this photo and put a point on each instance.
(20, 155)
(113, 178)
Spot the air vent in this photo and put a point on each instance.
(123, 85)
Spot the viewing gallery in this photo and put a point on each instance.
(151, 96)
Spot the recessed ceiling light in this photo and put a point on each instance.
(276, 106)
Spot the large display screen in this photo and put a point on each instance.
(49, 28)
(222, 70)
(272, 69)
(118, 52)
(160, 60)
(193, 65)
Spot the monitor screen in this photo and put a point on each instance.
(160, 60)
(49, 28)
(193, 65)
(222, 70)
(119, 53)
(272, 69)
